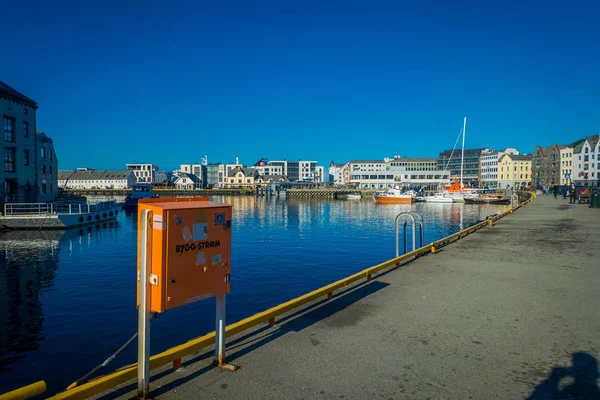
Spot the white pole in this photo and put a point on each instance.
(462, 156)
(144, 313)
(220, 331)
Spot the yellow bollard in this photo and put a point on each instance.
(432, 249)
(490, 222)
(25, 392)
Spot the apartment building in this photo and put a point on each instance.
(338, 173)
(88, 178)
(30, 162)
(47, 164)
(301, 170)
(514, 171)
(199, 170)
(566, 165)
(144, 173)
(586, 162)
(241, 177)
(397, 171)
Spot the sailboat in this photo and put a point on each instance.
(457, 190)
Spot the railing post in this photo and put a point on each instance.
(70, 208)
(79, 208)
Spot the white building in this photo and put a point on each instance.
(566, 165)
(301, 170)
(144, 173)
(488, 167)
(336, 173)
(586, 165)
(269, 169)
(87, 178)
(187, 181)
(397, 171)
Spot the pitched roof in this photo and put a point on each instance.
(90, 175)
(245, 171)
(521, 157)
(192, 177)
(274, 178)
(593, 140)
(410, 159)
(15, 95)
(367, 161)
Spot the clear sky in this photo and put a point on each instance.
(169, 82)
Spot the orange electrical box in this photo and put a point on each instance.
(191, 250)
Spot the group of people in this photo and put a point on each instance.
(557, 190)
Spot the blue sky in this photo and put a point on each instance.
(170, 82)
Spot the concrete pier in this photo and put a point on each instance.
(509, 312)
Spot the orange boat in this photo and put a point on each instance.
(393, 196)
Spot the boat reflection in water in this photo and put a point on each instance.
(28, 263)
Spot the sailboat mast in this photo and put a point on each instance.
(462, 155)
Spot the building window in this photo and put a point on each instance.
(9, 129)
(25, 110)
(9, 160)
(43, 169)
(50, 154)
(26, 153)
(43, 153)
(26, 129)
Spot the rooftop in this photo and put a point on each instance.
(13, 94)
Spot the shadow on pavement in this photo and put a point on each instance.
(576, 382)
(294, 322)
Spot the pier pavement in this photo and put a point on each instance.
(510, 312)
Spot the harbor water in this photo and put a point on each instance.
(67, 299)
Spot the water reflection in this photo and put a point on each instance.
(81, 284)
(28, 262)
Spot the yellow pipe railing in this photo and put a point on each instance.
(25, 392)
(129, 372)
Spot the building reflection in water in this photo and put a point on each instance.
(28, 262)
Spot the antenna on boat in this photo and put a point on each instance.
(462, 156)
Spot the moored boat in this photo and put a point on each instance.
(488, 199)
(138, 191)
(440, 197)
(354, 196)
(57, 215)
(393, 196)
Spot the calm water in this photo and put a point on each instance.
(67, 300)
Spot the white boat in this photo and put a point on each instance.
(57, 215)
(440, 197)
(393, 196)
(354, 197)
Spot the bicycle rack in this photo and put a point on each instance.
(415, 218)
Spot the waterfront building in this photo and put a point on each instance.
(586, 165)
(47, 164)
(488, 167)
(397, 171)
(144, 173)
(187, 181)
(213, 177)
(199, 170)
(566, 165)
(20, 175)
(545, 164)
(514, 171)
(336, 173)
(263, 168)
(301, 170)
(88, 178)
(450, 160)
(162, 177)
(241, 177)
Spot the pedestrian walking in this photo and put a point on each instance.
(555, 191)
(572, 194)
